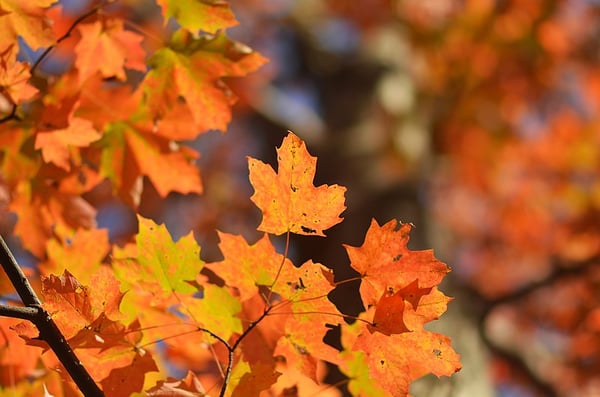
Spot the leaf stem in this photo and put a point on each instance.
(348, 280)
(326, 314)
(284, 257)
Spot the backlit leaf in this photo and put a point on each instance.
(160, 165)
(14, 76)
(198, 14)
(107, 40)
(56, 145)
(246, 266)
(288, 199)
(190, 70)
(168, 265)
(386, 264)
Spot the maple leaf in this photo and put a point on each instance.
(245, 266)
(82, 250)
(306, 289)
(396, 360)
(56, 144)
(390, 309)
(14, 76)
(129, 378)
(387, 265)
(288, 199)
(160, 164)
(16, 358)
(221, 318)
(208, 16)
(28, 20)
(293, 383)
(17, 167)
(159, 263)
(74, 306)
(190, 69)
(260, 377)
(41, 208)
(259, 345)
(107, 40)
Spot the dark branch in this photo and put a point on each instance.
(26, 313)
(12, 115)
(48, 329)
(235, 345)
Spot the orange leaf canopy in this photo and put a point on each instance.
(288, 199)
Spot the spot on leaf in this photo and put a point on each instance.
(308, 230)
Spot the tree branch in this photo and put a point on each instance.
(28, 313)
(48, 329)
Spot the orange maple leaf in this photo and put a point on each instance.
(82, 250)
(288, 199)
(129, 378)
(261, 377)
(386, 264)
(74, 306)
(117, 48)
(14, 77)
(41, 208)
(394, 361)
(246, 266)
(56, 144)
(399, 289)
(190, 71)
(161, 164)
(17, 360)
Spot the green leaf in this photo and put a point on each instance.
(208, 16)
(216, 311)
(160, 262)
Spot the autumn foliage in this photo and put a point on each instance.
(146, 314)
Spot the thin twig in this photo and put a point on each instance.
(235, 345)
(65, 36)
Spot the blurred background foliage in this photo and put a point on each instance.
(476, 120)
